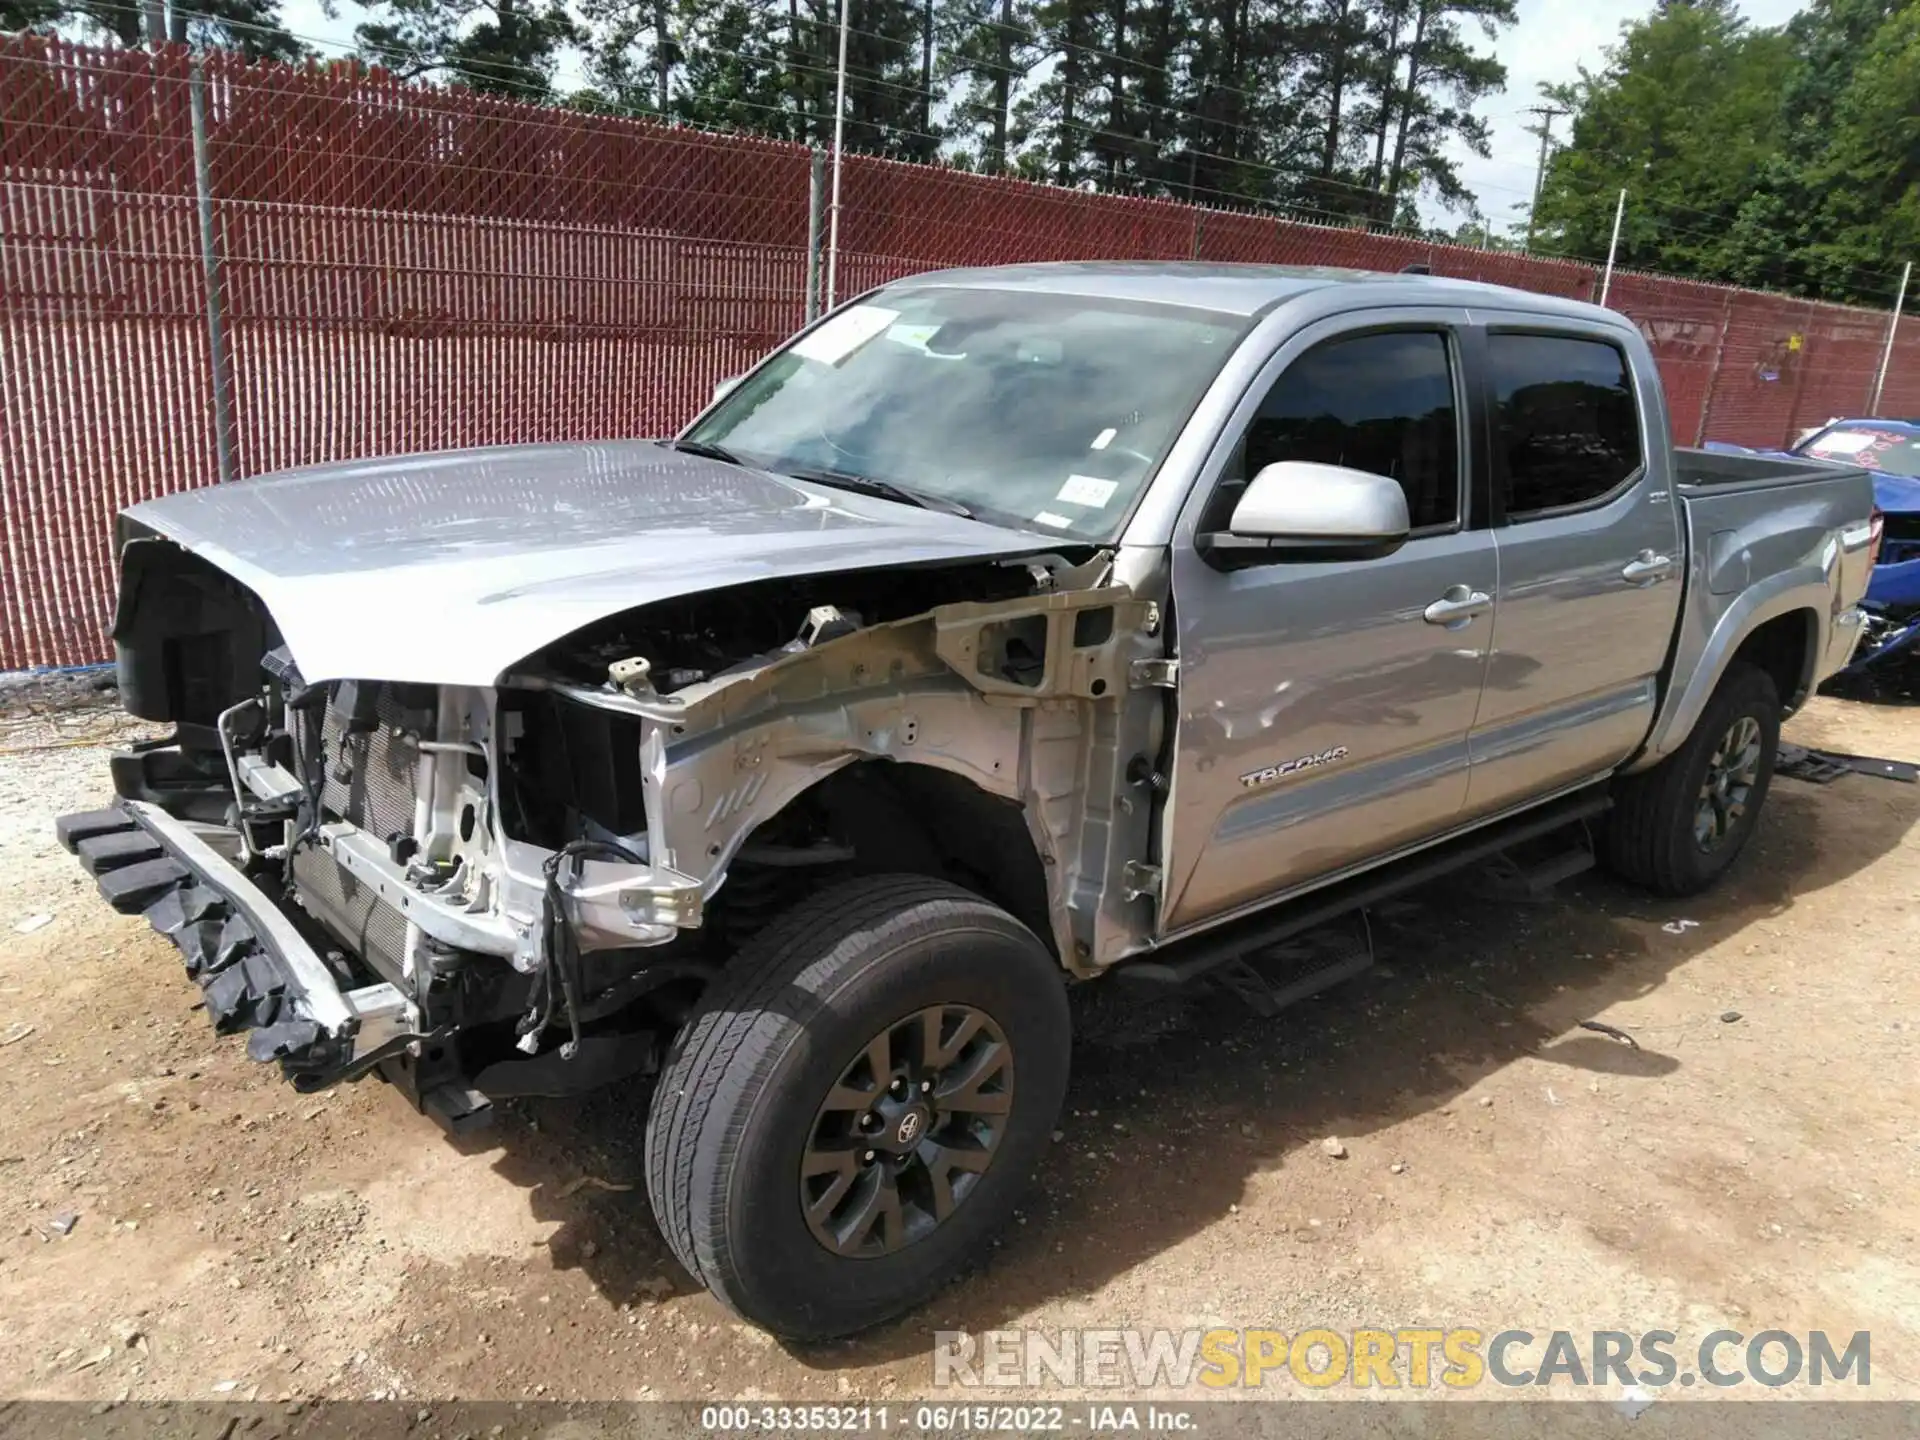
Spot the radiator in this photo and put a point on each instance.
(370, 781)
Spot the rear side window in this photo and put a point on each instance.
(1382, 403)
(1567, 426)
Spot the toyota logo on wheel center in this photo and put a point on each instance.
(909, 1129)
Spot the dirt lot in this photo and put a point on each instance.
(1754, 1165)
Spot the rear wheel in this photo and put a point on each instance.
(1677, 827)
(854, 1111)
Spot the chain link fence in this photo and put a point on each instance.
(210, 270)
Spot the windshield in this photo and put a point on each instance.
(1034, 410)
(1890, 449)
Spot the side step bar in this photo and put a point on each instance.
(255, 969)
(1189, 960)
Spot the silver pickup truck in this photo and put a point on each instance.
(1005, 629)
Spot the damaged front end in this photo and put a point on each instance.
(523, 888)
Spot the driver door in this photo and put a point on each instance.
(1323, 712)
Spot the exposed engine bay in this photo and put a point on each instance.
(546, 873)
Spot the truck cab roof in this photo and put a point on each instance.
(1248, 290)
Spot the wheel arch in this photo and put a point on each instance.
(1776, 625)
(919, 817)
(1786, 647)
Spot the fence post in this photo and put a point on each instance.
(210, 264)
(1893, 330)
(1613, 245)
(816, 208)
(1801, 366)
(839, 134)
(1713, 375)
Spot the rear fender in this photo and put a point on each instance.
(1701, 666)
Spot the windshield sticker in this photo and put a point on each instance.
(834, 339)
(1087, 490)
(1846, 442)
(1103, 439)
(913, 336)
(1047, 517)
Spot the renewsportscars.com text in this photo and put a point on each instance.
(1413, 1358)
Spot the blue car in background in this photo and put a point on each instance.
(1891, 450)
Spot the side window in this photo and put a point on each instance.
(1566, 423)
(1383, 403)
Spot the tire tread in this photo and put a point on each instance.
(1647, 836)
(733, 1037)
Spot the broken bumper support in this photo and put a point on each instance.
(254, 968)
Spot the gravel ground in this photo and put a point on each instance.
(1501, 1166)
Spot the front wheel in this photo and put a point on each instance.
(1676, 827)
(856, 1107)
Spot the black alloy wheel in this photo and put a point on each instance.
(903, 1138)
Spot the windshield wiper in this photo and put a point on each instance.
(706, 451)
(885, 489)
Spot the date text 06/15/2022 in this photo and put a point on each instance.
(947, 1418)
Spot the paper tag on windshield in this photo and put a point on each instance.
(1047, 517)
(837, 337)
(915, 336)
(1845, 442)
(1087, 490)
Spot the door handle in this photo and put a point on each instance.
(1457, 607)
(1647, 568)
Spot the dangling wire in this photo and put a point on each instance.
(559, 979)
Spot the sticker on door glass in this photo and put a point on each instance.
(838, 336)
(1087, 490)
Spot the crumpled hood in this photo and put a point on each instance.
(447, 568)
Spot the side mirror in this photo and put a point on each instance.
(724, 388)
(1297, 510)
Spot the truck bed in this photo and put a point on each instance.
(1708, 469)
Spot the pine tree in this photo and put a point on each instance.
(990, 53)
(507, 47)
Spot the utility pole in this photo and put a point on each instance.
(1548, 114)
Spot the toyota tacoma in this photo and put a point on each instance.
(1005, 630)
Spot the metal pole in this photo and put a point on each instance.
(839, 130)
(816, 205)
(1619, 211)
(1547, 114)
(1886, 355)
(210, 263)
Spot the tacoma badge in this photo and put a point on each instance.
(1254, 779)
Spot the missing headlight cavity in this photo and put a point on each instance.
(569, 769)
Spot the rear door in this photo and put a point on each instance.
(1590, 560)
(1323, 715)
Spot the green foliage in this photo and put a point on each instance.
(251, 27)
(1349, 109)
(1785, 158)
(507, 47)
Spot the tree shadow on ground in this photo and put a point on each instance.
(1176, 1105)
